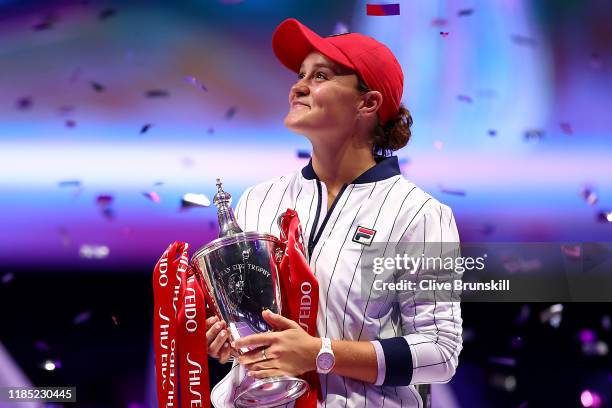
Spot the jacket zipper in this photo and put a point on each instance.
(314, 238)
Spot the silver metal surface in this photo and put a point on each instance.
(240, 275)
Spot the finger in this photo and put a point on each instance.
(278, 322)
(256, 355)
(255, 340)
(212, 333)
(218, 342)
(210, 321)
(224, 354)
(262, 365)
(275, 372)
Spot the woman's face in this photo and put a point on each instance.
(324, 98)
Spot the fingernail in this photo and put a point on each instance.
(223, 333)
(225, 345)
(218, 325)
(233, 343)
(215, 318)
(250, 374)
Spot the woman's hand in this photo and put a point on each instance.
(288, 351)
(217, 337)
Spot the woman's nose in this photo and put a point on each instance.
(299, 88)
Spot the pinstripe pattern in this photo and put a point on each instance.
(399, 211)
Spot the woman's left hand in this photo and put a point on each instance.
(288, 351)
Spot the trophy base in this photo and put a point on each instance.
(270, 392)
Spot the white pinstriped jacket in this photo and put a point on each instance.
(415, 343)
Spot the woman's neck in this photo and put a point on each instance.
(341, 165)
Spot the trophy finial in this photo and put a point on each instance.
(227, 221)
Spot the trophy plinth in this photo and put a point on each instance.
(240, 273)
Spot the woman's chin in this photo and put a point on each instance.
(295, 122)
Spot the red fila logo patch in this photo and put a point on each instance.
(364, 235)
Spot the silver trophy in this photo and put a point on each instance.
(240, 274)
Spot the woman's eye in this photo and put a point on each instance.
(321, 75)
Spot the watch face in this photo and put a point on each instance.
(325, 361)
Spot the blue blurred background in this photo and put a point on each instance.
(111, 111)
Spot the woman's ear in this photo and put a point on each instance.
(371, 102)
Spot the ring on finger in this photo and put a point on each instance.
(263, 352)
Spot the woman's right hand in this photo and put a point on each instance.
(217, 337)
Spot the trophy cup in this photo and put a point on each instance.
(240, 274)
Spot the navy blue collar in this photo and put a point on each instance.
(385, 168)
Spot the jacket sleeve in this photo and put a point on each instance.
(429, 348)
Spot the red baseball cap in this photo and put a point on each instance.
(373, 61)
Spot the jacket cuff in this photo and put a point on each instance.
(397, 361)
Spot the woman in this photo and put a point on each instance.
(346, 101)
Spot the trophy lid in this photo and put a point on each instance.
(227, 221)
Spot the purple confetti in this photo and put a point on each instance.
(444, 34)
(533, 134)
(516, 342)
(231, 112)
(82, 317)
(64, 236)
(41, 345)
(70, 123)
(65, 109)
(572, 251)
(465, 12)
(439, 22)
(8, 277)
(69, 183)
(76, 74)
(97, 86)
(145, 128)
(195, 82)
(524, 40)
(211, 131)
(492, 132)
(606, 323)
(464, 98)
(566, 128)
(523, 315)
(104, 200)
(107, 13)
(108, 213)
(587, 336)
(24, 103)
(152, 195)
(589, 195)
(506, 361)
(115, 320)
(43, 25)
(596, 62)
(157, 93)
(452, 191)
(303, 154)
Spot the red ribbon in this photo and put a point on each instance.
(300, 291)
(179, 332)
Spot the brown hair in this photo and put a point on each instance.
(394, 134)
